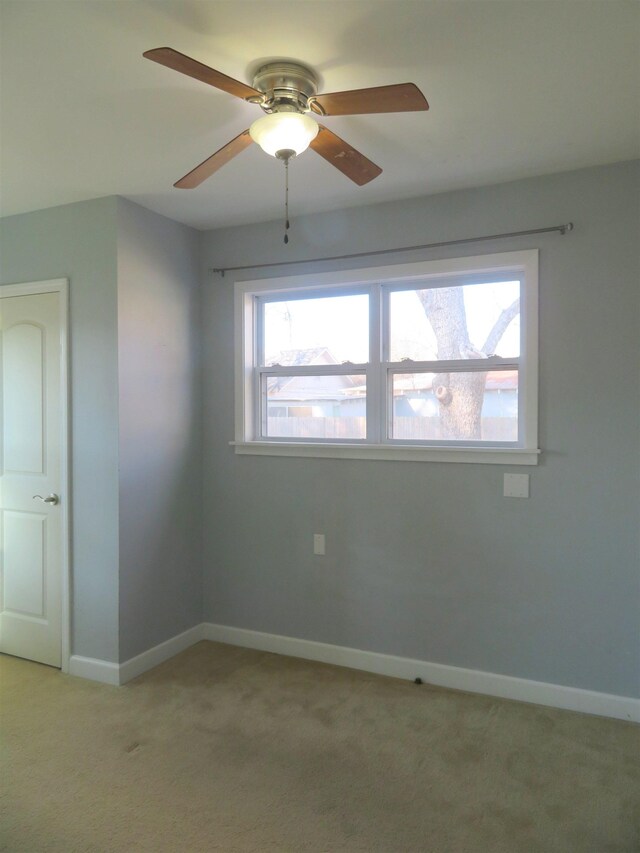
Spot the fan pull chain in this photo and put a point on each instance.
(286, 200)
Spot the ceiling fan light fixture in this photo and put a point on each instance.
(290, 132)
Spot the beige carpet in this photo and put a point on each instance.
(233, 750)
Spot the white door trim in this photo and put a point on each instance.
(61, 286)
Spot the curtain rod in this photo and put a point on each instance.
(562, 229)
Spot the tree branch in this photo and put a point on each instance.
(500, 327)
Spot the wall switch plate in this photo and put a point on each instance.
(516, 486)
(318, 544)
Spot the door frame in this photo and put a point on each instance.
(34, 288)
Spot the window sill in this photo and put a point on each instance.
(488, 455)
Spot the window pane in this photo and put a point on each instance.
(469, 321)
(326, 330)
(316, 407)
(456, 406)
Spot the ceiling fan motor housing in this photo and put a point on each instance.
(287, 87)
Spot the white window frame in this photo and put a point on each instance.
(525, 452)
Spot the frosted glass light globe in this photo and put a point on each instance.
(284, 132)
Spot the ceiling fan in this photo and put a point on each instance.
(287, 94)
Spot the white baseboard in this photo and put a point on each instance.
(114, 673)
(94, 669)
(457, 678)
(134, 667)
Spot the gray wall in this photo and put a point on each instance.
(160, 416)
(423, 560)
(135, 415)
(429, 560)
(78, 242)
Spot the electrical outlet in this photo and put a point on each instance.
(516, 486)
(318, 544)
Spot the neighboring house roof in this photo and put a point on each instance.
(311, 387)
(307, 387)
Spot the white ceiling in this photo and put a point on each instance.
(517, 88)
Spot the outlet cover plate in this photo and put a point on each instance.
(318, 544)
(516, 486)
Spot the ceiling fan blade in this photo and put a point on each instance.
(399, 98)
(222, 156)
(192, 68)
(340, 154)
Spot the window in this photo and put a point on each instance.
(426, 361)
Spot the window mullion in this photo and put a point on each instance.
(261, 408)
(374, 389)
(257, 336)
(258, 331)
(386, 410)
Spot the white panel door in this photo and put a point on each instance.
(31, 529)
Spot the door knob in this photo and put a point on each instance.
(50, 499)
